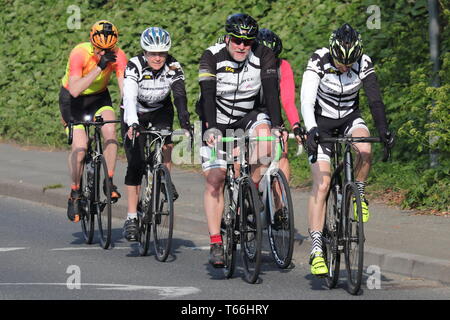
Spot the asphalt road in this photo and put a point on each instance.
(43, 256)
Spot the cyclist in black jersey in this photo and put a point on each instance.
(330, 101)
(231, 76)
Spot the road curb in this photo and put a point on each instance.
(410, 265)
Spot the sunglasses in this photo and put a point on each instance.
(238, 41)
(341, 64)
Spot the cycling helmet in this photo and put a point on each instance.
(155, 39)
(104, 35)
(346, 45)
(270, 39)
(241, 25)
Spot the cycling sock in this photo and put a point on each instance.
(216, 238)
(316, 237)
(110, 174)
(131, 216)
(75, 187)
(361, 187)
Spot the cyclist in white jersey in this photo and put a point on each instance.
(329, 102)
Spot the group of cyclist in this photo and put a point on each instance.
(243, 85)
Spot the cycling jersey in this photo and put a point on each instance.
(328, 92)
(146, 90)
(231, 89)
(83, 60)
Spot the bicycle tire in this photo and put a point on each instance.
(250, 230)
(331, 231)
(354, 235)
(281, 232)
(162, 212)
(227, 229)
(87, 215)
(102, 201)
(144, 212)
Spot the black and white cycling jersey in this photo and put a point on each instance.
(327, 92)
(231, 89)
(145, 90)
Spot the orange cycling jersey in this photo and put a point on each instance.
(83, 60)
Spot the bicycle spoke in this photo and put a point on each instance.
(250, 231)
(163, 213)
(103, 202)
(281, 229)
(354, 244)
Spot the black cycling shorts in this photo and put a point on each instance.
(327, 127)
(77, 109)
(161, 119)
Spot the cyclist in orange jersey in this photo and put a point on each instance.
(84, 94)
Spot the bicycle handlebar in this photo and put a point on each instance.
(386, 151)
(97, 122)
(278, 150)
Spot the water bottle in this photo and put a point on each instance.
(90, 174)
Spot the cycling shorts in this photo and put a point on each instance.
(344, 126)
(161, 119)
(84, 107)
(247, 124)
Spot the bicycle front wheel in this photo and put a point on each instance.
(144, 212)
(103, 201)
(162, 212)
(86, 208)
(250, 230)
(354, 235)
(331, 237)
(281, 229)
(227, 229)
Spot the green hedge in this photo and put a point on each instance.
(36, 42)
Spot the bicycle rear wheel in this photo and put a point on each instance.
(144, 212)
(331, 238)
(87, 213)
(250, 230)
(162, 212)
(354, 235)
(281, 231)
(102, 202)
(227, 229)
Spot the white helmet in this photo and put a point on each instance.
(155, 39)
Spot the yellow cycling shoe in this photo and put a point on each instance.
(318, 266)
(364, 208)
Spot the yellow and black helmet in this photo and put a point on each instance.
(104, 35)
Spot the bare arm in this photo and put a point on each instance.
(78, 84)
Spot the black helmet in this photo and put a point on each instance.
(241, 25)
(271, 40)
(346, 45)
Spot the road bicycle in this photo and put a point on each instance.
(278, 213)
(95, 185)
(343, 232)
(241, 223)
(155, 204)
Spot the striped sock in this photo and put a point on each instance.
(361, 187)
(316, 238)
(131, 215)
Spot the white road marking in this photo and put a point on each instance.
(11, 249)
(169, 292)
(86, 248)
